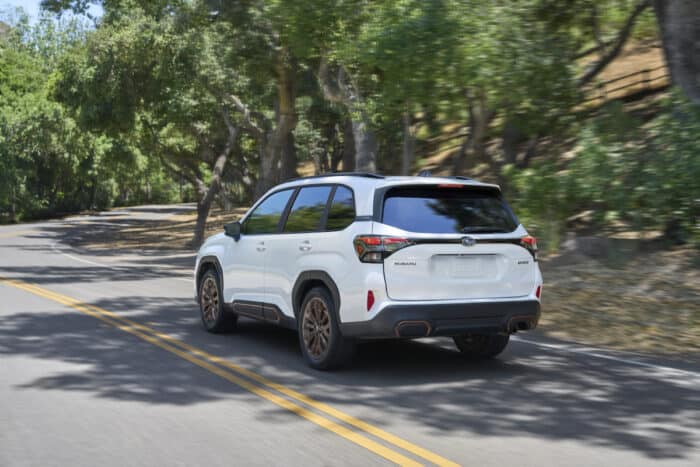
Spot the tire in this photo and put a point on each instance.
(215, 318)
(481, 346)
(322, 344)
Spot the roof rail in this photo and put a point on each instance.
(341, 174)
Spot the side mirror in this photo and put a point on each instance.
(233, 229)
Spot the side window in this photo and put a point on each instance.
(307, 210)
(342, 211)
(266, 216)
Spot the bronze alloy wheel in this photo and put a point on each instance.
(210, 300)
(316, 328)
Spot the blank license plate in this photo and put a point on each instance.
(468, 266)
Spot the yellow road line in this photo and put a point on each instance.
(320, 406)
(16, 233)
(147, 333)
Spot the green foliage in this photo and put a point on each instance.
(627, 175)
(129, 108)
(48, 163)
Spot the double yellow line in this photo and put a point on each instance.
(247, 379)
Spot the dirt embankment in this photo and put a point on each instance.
(646, 301)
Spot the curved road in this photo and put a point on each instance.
(103, 362)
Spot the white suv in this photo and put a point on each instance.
(346, 257)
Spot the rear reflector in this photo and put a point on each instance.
(370, 299)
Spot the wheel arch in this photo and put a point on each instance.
(306, 281)
(206, 263)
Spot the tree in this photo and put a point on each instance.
(46, 164)
(679, 24)
(163, 83)
(513, 62)
(405, 49)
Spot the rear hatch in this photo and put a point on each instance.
(463, 244)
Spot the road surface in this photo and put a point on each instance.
(103, 362)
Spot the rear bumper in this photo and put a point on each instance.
(452, 319)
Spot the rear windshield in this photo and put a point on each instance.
(447, 210)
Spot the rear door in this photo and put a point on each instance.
(465, 245)
(300, 236)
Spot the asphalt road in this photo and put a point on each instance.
(103, 362)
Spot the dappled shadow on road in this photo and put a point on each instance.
(147, 230)
(45, 275)
(112, 364)
(528, 392)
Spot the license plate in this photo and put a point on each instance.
(467, 267)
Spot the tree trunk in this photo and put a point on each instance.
(348, 147)
(479, 118)
(336, 150)
(278, 143)
(679, 24)
(203, 207)
(408, 145)
(266, 177)
(289, 158)
(365, 144)
(618, 44)
(207, 194)
(287, 118)
(530, 151)
(345, 91)
(511, 138)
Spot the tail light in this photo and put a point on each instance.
(538, 292)
(530, 244)
(374, 248)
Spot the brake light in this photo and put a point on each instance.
(374, 248)
(530, 243)
(450, 185)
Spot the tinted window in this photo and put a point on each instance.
(266, 216)
(447, 210)
(342, 211)
(307, 209)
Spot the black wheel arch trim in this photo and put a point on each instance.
(320, 276)
(210, 260)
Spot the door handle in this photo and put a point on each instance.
(261, 246)
(305, 245)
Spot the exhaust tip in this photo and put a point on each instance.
(521, 324)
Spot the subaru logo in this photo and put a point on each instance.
(468, 241)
